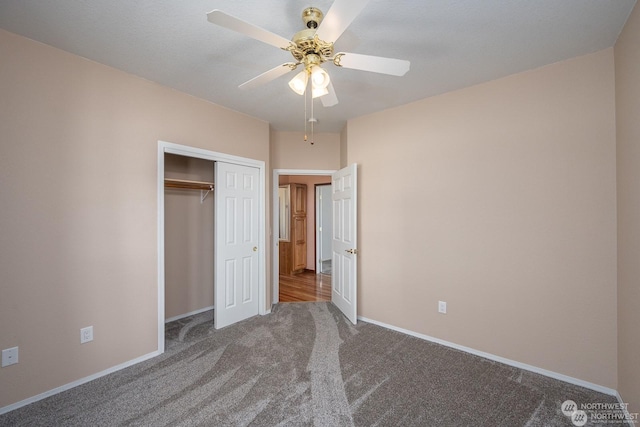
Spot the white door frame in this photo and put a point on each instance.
(183, 150)
(276, 223)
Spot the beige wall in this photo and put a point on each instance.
(79, 208)
(343, 146)
(310, 181)
(289, 151)
(188, 238)
(627, 62)
(500, 200)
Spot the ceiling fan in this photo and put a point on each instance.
(312, 47)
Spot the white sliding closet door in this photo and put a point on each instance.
(236, 243)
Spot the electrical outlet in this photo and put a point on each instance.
(442, 307)
(9, 356)
(86, 334)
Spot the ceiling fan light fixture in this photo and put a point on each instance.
(317, 92)
(310, 48)
(319, 77)
(299, 83)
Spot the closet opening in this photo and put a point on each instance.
(189, 236)
(205, 259)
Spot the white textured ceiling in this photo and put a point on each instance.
(451, 44)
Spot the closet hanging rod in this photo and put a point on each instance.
(188, 185)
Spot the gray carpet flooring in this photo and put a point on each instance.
(305, 365)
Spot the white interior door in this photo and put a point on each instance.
(345, 261)
(323, 226)
(236, 243)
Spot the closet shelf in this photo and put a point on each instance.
(188, 185)
(204, 187)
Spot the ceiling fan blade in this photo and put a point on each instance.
(267, 76)
(376, 64)
(340, 15)
(330, 99)
(218, 17)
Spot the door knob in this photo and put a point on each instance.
(352, 251)
(255, 249)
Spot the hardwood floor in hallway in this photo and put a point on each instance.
(305, 287)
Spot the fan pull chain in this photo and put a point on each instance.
(306, 92)
(312, 120)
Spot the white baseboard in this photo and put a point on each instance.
(76, 383)
(182, 316)
(202, 310)
(526, 367)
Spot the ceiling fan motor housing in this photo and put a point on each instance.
(305, 41)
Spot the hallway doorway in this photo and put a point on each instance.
(297, 280)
